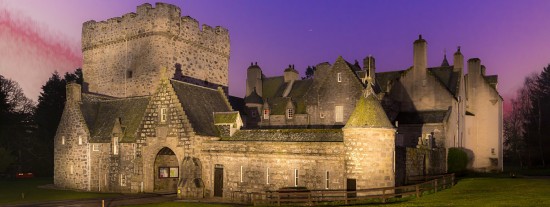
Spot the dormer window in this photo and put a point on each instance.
(266, 113)
(289, 113)
(339, 78)
(163, 114)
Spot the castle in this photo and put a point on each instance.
(153, 115)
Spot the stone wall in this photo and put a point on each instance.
(278, 159)
(369, 156)
(143, 42)
(71, 156)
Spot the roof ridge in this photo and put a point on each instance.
(178, 81)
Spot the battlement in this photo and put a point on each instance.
(161, 20)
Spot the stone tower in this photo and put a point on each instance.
(369, 141)
(123, 55)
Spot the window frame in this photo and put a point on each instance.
(339, 77)
(289, 113)
(115, 146)
(163, 115)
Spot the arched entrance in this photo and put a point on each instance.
(166, 171)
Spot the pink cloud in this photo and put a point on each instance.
(30, 52)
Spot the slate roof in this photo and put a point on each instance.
(287, 135)
(100, 115)
(253, 98)
(492, 80)
(447, 77)
(199, 104)
(271, 85)
(383, 78)
(422, 117)
(237, 103)
(225, 117)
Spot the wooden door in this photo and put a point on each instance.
(218, 182)
(351, 186)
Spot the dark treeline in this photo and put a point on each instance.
(527, 126)
(27, 129)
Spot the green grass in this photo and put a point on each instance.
(486, 191)
(11, 192)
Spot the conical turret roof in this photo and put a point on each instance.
(368, 112)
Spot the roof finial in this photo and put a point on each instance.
(458, 49)
(419, 36)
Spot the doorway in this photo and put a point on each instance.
(351, 186)
(166, 171)
(218, 182)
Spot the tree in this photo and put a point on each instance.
(6, 159)
(310, 72)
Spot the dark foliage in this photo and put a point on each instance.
(457, 161)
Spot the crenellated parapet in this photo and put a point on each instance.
(161, 20)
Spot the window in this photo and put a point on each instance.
(295, 177)
(326, 180)
(95, 147)
(115, 145)
(72, 170)
(129, 74)
(321, 115)
(168, 172)
(493, 151)
(241, 173)
(267, 176)
(163, 114)
(79, 140)
(266, 113)
(134, 146)
(253, 112)
(122, 180)
(339, 113)
(289, 113)
(339, 77)
(63, 140)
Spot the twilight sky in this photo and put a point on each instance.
(512, 38)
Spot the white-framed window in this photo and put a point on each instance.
(163, 114)
(289, 113)
(266, 113)
(95, 147)
(327, 179)
(72, 169)
(267, 176)
(63, 140)
(115, 145)
(339, 78)
(122, 180)
(79, 140)
(321, 115)
(241, 173)
(295, 177)
(339, 113)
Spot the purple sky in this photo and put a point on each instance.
(512, 38)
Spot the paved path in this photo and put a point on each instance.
(109, 202)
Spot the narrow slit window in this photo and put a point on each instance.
(79, 140)
(267, 176)
(72, 170)
(295, 177)
(63, 140)
(115, 145)
(339, 77)
(241, 173)
(327, 179)
(163, 114)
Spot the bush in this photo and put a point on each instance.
(457, 161)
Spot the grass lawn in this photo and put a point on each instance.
(468, 192)
(11, 190)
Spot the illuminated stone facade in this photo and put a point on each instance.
(175, 129)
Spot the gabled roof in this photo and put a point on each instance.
(100, 116)
(199, 104)
(254, 98)
(447, 77)
(225, 117)
(383, 78)
(271, 85)
(368, 113)
(422, 117)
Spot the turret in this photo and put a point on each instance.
(370, 68)
(291, 74)
(254, 79)
(73, 92)
(458, 63)
(420, 59)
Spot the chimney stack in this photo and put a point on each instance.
(458, 63)
(420, 59)
(73, 92)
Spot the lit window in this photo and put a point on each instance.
(79, 140)
(266, 113)
(95, 147)
(115, 145)
(295, 177)
(289, 113)
(63, 140)
(327, 180)
(241, 173)
(163, 114)
(339, 113)
(267, 176)
(122, 180)
(339, 77)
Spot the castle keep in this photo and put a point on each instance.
(153, 115)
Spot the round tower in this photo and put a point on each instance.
(369, 141)
(254, 79)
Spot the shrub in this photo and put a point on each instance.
(457, 160)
